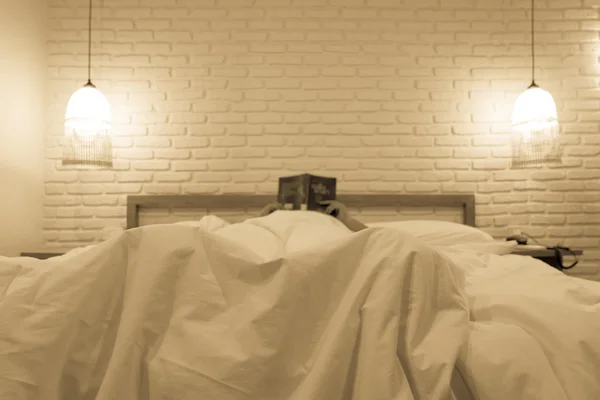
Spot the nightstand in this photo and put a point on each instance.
(40, 255)
(546, 255)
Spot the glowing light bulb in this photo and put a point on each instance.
(534, 111)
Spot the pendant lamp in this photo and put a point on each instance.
(534, 121)
(87, 123)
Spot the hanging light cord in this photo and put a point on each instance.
(532, 46)
(89, 82)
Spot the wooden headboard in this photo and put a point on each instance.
(225, 202)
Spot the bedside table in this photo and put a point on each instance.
(40, 255)
(546, 255)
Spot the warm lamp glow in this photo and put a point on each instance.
(87, 126)
(535, 127)
(87, 105)
(534, 111)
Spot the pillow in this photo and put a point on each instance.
(438, 232)
(498, 247)
(210, 223)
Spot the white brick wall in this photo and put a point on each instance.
(216, 96)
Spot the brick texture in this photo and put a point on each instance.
(214, 96)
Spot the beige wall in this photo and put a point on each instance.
(217, 96)
(22, 81)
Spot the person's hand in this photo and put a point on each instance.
(336, 209)
(339, 210)
(271, 207)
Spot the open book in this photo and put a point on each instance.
(305, 191)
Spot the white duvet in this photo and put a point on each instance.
(534, 333)
(292, 306)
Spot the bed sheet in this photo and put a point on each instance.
(179, 312)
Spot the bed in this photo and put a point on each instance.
(190, 304)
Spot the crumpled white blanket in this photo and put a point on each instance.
(270, 309)
(533, 331)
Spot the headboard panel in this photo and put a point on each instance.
(233, 203)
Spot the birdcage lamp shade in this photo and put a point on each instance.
(87, 130)
(535, 128)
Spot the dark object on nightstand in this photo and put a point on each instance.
(41, 256)
(519, 239)
(552, 256)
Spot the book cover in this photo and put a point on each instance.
(305, 191)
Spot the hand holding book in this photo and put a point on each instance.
(335, 208)
(312, 193)
(271, 207)
(339, 210)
